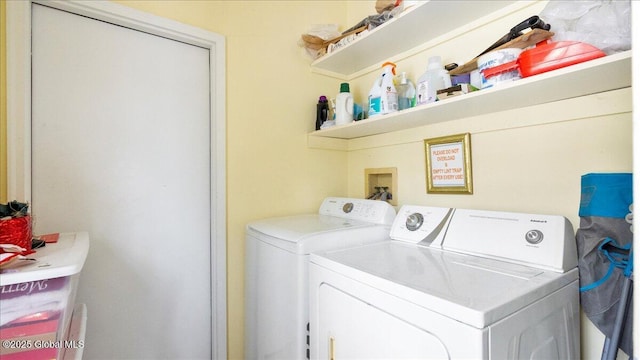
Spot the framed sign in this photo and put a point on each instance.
(449, 164)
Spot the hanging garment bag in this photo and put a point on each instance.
(605, 257)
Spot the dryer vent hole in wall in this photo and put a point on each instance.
(382, 193)
(381, 184)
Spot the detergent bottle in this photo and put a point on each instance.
(434, 79)
(406, 92)
(383, 97)
(322, 111)
(344, 105)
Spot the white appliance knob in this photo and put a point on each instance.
(414, 221)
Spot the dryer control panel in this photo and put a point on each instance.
(372, 211)
(542, 241)
(421, 224)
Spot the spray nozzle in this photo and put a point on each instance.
(392, 65)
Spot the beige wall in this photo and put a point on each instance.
(530, 166)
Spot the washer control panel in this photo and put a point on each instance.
(347, 207)
(373, 211)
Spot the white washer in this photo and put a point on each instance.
(277, 267)
(452, 284)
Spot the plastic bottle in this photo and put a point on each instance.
(406, 92)
(344, 105)
(434, 79)
(383, 98)
(322, 111)
(375, 96)
(332, 106)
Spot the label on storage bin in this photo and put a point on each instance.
(32, 287)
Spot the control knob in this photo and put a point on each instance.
(347, 207)
(414, 221)
(534, 236)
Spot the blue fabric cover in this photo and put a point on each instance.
(606, 195)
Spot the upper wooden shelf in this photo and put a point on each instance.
(413, 27)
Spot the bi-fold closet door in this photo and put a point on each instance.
(121, 148)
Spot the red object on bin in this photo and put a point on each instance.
(16, 231)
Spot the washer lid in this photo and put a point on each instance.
(473, 290)
(299, 227)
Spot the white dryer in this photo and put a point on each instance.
(452, 284)
(276, 272)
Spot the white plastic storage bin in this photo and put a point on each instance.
(37, 301)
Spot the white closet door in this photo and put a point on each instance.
(121, 148)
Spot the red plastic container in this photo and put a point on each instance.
(547, 57)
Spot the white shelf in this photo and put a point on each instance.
(413, 27)
(596, 76)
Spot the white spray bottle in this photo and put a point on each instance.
(383, 97)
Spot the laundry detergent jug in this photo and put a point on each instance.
(344, 105)
(434, 79)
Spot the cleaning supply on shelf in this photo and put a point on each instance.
(495, 58)
(344, 105)
(434, 79)
(322, 111)
(383, 97)
(406, 92)
(375, 96)
(358, 112)
(332, 106)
